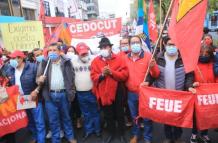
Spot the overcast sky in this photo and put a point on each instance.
(119, 7)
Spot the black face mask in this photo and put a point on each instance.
(204, 59)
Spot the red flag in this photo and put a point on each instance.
(42, 11)
(206, 106)
(152, 26)
(167, 106)
(186, 29)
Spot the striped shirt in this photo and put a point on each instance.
(57, 79)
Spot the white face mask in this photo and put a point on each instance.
(104, 53)
(70, 55)
(85, 59)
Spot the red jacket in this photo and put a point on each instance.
(204, 73)
(137, 71)
(105, 89)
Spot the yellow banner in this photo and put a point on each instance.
(23, 36)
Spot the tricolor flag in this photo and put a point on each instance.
(142, 25)
(186, 29)
(61, 32)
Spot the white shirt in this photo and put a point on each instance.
(17, 80)
(170, 76)
(83, 81)
(57, 79)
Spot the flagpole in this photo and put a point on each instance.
(159, 37)
(160, 9)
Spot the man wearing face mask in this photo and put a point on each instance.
(23, 74)
(124, 46)
(124, 50)
(106, 71)
(172, 76)
(38, 55)
(84, 84)
(138, 62)
(58, 90)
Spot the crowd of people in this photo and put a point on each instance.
(69, 83)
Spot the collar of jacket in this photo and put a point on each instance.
(141, 55)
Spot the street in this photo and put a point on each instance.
(158, 136)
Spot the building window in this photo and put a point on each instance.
(29, 14)
(4, 7)
(214, 20)
(47, 8)
(58, 12)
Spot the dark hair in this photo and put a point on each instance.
(209, 48)
(166, 39)
(208, 35)
(37, 49)
(130, 38)
(68, 47)
(126, 37)
(206, 30)
(55, 44)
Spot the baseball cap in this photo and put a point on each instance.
(82, 48)
(16, 54)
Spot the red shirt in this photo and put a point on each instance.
(204, 73)
(137, 70)
(105, 90)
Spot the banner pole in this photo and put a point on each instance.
(159, 37)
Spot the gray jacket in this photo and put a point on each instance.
(68, 75)
(183, 80)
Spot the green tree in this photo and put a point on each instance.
(212, 5)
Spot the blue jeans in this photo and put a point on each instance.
(58, 114)
(37, 123)
(133, 102)
(89, 107)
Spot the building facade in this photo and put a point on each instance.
(78, 9)
(93, 9)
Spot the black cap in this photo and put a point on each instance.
(104, 42)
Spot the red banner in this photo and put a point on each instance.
(167, 106)
(10, 119)
(95, 28)
(206, 106)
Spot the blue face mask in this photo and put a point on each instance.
(171, 50)
(136, 48)
(125, 48)
(13, 63)
(204, 59)
(53, 56)
(40, 58)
